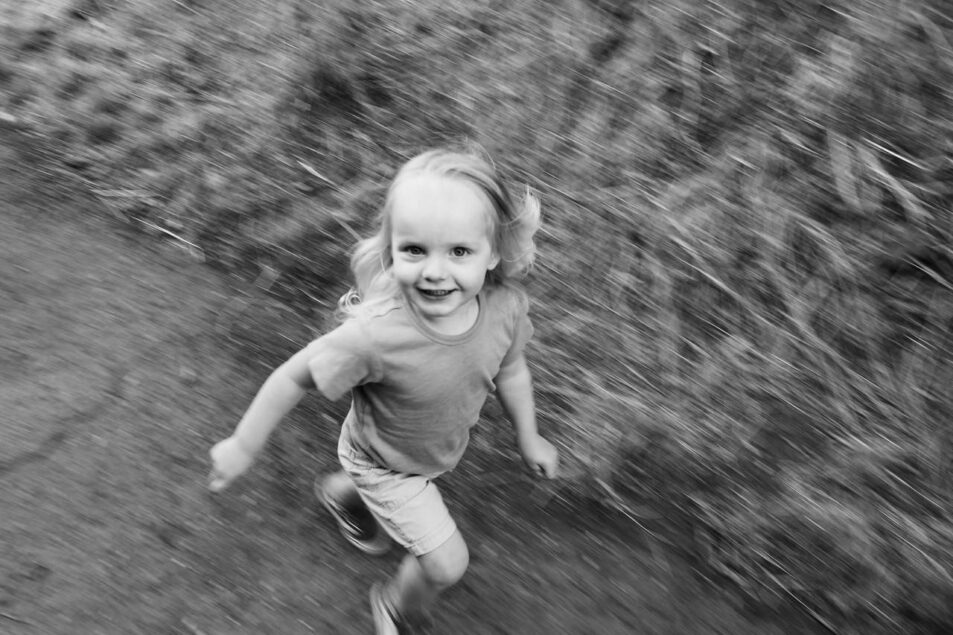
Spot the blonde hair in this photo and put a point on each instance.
(512, 229)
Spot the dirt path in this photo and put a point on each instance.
(122, 360)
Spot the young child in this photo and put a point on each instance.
(433, 325)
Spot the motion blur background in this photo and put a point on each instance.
(744, 293)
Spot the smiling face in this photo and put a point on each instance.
(441, 248)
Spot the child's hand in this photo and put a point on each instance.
(229, 461)
(540, 456)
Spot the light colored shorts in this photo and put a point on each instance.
(408, 506)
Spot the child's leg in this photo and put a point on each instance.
(340, 497)
(342, 488)
(421, 578)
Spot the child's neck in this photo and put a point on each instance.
(459, 322)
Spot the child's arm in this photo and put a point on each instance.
(281, 392)
(514, 387)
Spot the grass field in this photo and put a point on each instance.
(744, 296)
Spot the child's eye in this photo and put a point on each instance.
(414, 250)
(459, 252)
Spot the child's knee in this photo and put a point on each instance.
(446, 564)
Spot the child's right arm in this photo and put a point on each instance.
(281, 392)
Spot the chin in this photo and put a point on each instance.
(430, 313)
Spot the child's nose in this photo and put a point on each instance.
(434, 268)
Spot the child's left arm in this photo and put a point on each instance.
(514, 387)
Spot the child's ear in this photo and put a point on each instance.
(494, 261)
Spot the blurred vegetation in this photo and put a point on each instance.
(744, 299)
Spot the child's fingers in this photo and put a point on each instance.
(216, 481)
(546, 469)
(551, 466)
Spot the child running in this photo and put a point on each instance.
(434, 323)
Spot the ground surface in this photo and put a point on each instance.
(123, 359)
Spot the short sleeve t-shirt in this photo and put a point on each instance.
(415, 392)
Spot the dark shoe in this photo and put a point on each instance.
(355, 521)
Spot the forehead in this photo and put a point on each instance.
(439, 205)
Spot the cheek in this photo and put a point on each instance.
(477, 276)
(403, 271)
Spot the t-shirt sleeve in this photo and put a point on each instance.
(342, 359)
(522, 327)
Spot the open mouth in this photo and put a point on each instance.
(435, 293)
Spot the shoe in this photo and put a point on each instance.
(356, 522)
(386, 620)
